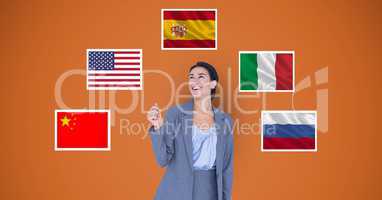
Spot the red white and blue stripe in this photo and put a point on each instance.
(289, 130)
(114, 69)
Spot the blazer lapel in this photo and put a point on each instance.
(220, 128)
(187, 114)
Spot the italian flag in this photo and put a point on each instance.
(266, 71)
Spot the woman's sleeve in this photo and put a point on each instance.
(163, 139)
(228, 163)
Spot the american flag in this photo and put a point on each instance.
(114, 69)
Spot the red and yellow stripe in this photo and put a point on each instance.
(189, 29)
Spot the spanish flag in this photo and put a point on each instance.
(189, 29)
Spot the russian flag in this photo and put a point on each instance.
(289, 130)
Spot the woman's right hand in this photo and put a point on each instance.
(154, 117)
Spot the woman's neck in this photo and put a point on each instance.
(203, 105)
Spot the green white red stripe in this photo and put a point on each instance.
(266, 71)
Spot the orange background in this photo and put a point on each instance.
(43, 39)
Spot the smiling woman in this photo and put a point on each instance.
(202, 78)
(194, 142)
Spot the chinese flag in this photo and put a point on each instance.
(82, 130)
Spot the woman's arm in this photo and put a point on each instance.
(162, 138)
(228, 162)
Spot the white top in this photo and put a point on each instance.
(204, 148)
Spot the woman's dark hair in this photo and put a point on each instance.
(211, 71)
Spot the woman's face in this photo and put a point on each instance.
(199, 83)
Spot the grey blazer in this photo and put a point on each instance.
(172, 145)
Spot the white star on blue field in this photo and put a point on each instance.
(101, 60)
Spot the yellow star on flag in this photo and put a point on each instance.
(65, 121)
